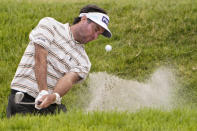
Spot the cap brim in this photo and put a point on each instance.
(107, 32)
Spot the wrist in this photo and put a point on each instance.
(57, 98)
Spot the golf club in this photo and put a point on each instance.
(18, 98)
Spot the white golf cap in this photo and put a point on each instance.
(101, 19)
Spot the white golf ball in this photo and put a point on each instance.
(108, 48)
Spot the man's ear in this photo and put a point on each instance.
(83, 18)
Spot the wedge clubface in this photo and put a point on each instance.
(18, 98)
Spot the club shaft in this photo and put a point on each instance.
(26, 103)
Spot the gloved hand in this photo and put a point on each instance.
(40, 95)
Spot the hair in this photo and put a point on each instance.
(89, 8)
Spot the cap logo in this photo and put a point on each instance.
(105, 20)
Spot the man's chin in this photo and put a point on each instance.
(85, 42)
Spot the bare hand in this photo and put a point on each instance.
(47, 100)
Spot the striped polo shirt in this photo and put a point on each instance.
(64, 55)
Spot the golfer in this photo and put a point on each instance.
(54, 60)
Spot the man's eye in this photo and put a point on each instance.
(96, 29)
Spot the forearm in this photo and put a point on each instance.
(41, 67)
(40, 73)
(66, 83)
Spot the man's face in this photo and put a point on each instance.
(89, 31)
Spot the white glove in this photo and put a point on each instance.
(40, 95)
(57, 99)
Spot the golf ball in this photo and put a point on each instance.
(108, 48)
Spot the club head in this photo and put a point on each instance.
(18, 97)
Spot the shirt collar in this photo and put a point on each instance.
(71, 34)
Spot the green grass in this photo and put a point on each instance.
(147, 34)
(143, 120)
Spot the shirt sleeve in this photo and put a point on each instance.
(82, 71)
(43, 33)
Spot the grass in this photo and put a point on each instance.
(147, 34)
(143, 120)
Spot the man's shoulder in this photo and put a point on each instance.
(47, 20)
(53, 23)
